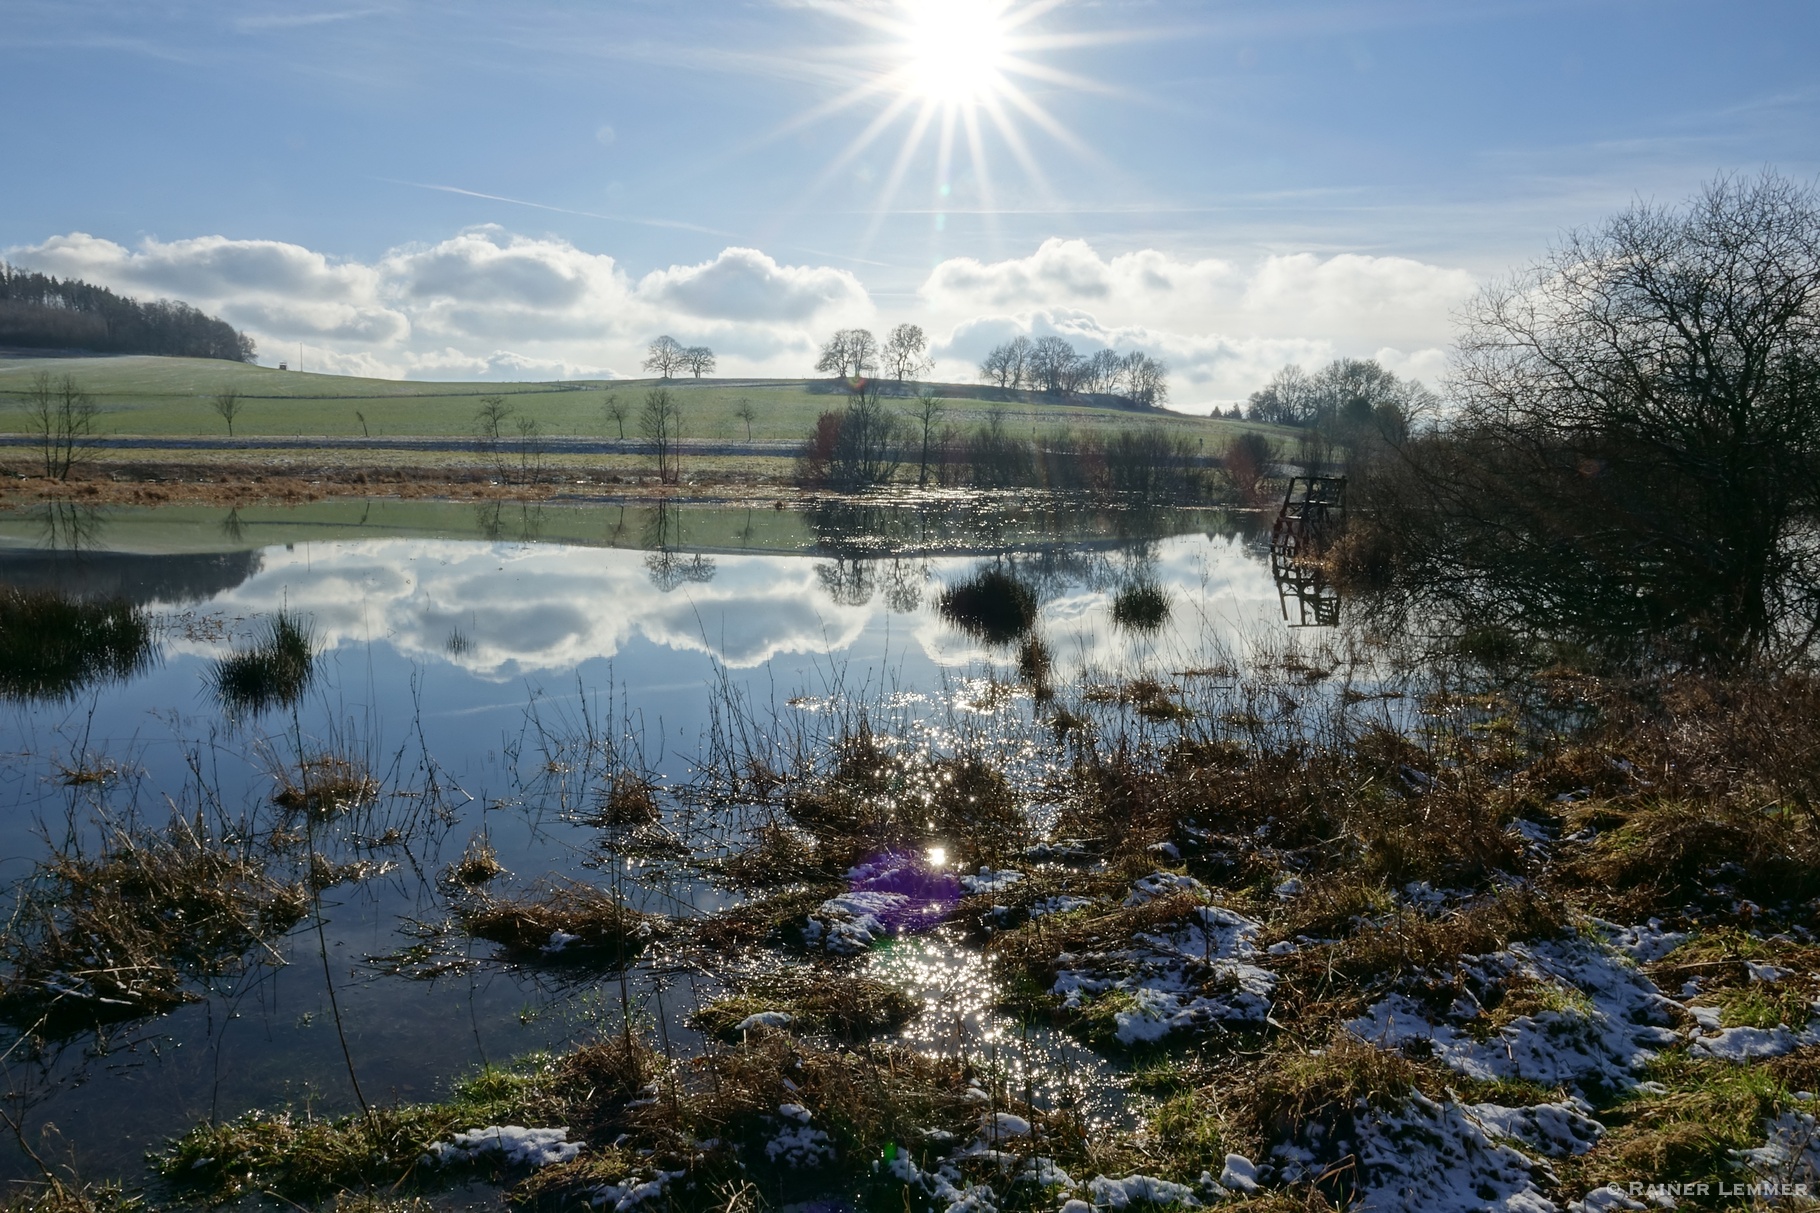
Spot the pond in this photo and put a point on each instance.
(489, 668)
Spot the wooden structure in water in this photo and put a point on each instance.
(1312, 515)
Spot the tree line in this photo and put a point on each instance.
(869, 444)
(1051, 364)
(38, 311)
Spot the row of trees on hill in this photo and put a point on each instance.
(668, 357)
(38, 311)
(1051, 364)
(1352, 391)
(857, 354)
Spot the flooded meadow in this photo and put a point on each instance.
(928, 854)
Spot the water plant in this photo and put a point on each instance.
(118, 934)
(992, 605)
(275, 671)
(1141, 606)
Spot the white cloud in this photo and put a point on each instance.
(487, 303)
(1223, 329)
(271, 287)
(745, 284)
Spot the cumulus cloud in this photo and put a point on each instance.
(271, 287)
(745, 284)
(487, 303)
(1223, 328)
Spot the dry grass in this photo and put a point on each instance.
(119, 934)
(564, 922)
(478, 864)
(627, 800)
(324, 785)
(844, 1006)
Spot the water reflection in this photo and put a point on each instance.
(415, 636)
(53, 646)
(68, 526)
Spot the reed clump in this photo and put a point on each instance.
(275, 671)
(845, 1007)
(627, 800)
(1141, 606)
(478, 864)
(325, 784)
(992, 605)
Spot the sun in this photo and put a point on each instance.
(956, 51)
(961, 79)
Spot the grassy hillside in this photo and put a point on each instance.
(170, 396)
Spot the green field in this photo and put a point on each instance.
(169, 397)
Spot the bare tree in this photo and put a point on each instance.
(1051, 362)
(995, 367)
(850, 352)
(1639, 431)
(1146, 380)
(926, 419)
(489, 423)
(1009, 365)
(699, 360)
(1104, 373)
(666, 356)
(617, 410)
(867, 451)
(531, 448)
(660, 425)
(904, 352)
(228, 403)
(743, 411)
(61, 418)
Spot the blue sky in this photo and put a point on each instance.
(533, 189)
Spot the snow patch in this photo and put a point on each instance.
(1190, 976)
(1615, 1025)
(515, 1144)
(1426, 1157)
(988, 881)
(1138, 1189)
(1553, 1129)
(765, 1019)
(1162, 884)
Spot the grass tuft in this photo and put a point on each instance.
(1141, 606)
(991, 605)
(565, 923)
(274, 672)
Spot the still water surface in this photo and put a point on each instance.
(469, 654)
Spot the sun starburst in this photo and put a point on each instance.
(947, 73)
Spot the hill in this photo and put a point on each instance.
(169, 397)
